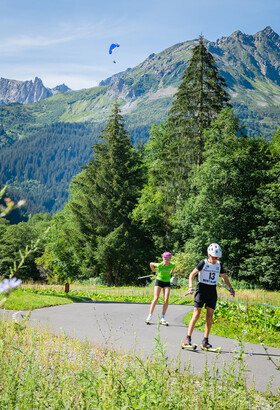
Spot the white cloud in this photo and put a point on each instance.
(25, 42)
(65, 33)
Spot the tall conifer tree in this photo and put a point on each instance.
(175, 147)
(105, 194)
(200, 97)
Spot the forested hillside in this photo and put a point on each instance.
(250, 65)
(40, 168)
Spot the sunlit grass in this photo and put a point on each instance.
(253, 296)
(42, 371)
(19, 300)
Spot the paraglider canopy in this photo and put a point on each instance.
(112, 47)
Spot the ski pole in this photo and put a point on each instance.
(187, 294)
(224, 286)
(143, 277)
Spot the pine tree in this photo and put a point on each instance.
(200, 97)
(105, 194)
(220, 207)
(176, 146)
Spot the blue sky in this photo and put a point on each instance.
(67, 41)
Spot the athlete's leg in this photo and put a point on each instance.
(194, 319)
(166, 293)
(209, 320)
(157, 290)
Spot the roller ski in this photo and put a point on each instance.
(163, 322)
(188, 345)
(208, 347)
(149, 319)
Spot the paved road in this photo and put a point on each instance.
(122, 325)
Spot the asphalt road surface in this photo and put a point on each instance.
(122, 326)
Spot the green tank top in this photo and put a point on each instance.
(164, 272)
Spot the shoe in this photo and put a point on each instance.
(163, 322)
(206, 344)
(188, 341)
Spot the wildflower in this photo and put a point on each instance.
(244, 331)
(9, 284)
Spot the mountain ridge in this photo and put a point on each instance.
(26, 92)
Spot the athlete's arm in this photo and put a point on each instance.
(191, 277)
(227, 282)
(152, 266)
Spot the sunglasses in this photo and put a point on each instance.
(215, 257)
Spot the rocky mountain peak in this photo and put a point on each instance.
(268, 34)
(26, 92)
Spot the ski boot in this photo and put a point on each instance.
(163, 322)
(205, 344)
(188, 344)
(148, 320)
(208, 347)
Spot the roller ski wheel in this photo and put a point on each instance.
(211, 349)
(189, 346)
(163, 322)
(148, 322)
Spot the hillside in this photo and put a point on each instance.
(249, 63)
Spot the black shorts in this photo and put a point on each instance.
(205, 295)
(162, 284)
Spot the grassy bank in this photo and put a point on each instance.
(24, 299)
(40, 371)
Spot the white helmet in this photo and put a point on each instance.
(214, 250)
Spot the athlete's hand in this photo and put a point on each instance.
(190, 291)
(232, 292)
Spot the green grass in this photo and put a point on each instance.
(28, 300)
(42, 371)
